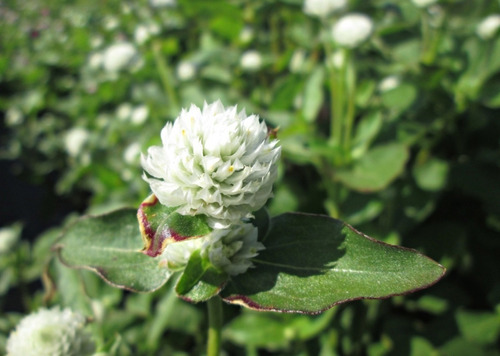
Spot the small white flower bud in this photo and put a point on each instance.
(352, 30)
(51, 332)
(162, 3)
(139, 115)
(214, 161)
(323, 8)
(75, 139)
(120, 56)
(488, 28)
(423, 3)
(186, 70)
(389, 83)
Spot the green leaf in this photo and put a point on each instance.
(479, 327)
(432, 174)
(313, 95)
(376, 169)
(200, 280)
(110, 246)
(161, 225)
(400, 98)
(313, 262)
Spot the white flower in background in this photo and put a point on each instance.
(141, 34)
(111, 23)
(120, 56)
(423, 3)
(162, 3)
(323, 8)
(488, 28)
(251, 60)
(352, 30)
(95, 60)
(74, 140)
(215, 162)
(246, 34)
(14, 116)
(186, 70)
(124, 111)
(228, 249)
(51, 332)
(337, 59)
(139, 115)
(389, 83)
(8, 237)
(132, 153)
(96, 41)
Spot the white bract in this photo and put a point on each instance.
(323, 8)
(228, 249)
(120, 56)
(216, 162)
(352, 30)
(423, 3)
(51, 332)
(488, 28)
(251, 60)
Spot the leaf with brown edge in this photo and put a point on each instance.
(161, 225)
(313, 262)
(110, 245)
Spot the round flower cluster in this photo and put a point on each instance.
(216, 162)
(51, 332)
(488, 28)
(323, 8)
(352, 30)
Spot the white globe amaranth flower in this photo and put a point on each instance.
(214, 161)
(389, 83)
(162, 3)
(228, 249)
(423, 3)
(488, 28)
(139, 115)
(141, 34)
(186, 70)
(51, 332)
(75, 139)
(251, 60)
(120, 56)
(352, 30)
(323, 8)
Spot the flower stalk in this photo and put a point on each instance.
(214, 326)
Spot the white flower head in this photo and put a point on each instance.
(75, 139)
(323, 8)
(423, 3)
(141, 34)
(352, 30)
(120, 56)
(389, 83)
(162, 3)
(186, 70)
(214, 161)
(51, 332)
(251, 60)
(8, 237)
(139, 114)
(488, 28)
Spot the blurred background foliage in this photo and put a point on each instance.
(86, 86)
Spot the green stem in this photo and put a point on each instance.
(214, 326)
(351, 107)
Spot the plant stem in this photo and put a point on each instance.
(166, 76)
(351, 107)
(214, 326)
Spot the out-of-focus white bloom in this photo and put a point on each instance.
(352, 29)
(120, 56)
(423, 3)
(186, 70)
(141, 34)
(246, 34)
(132, 153)
(297, 61)
(124, 111)
(227, 249)
(251, 60)
(389, 83)
(215, 162)
(51, 332)
(13, 116)
(111, 23)
(75, 139)
(8, 237)
(323, 8)
(96, 41)
(95, 60)
(338, 59)
(488, 28)
(162, 3)
(139, 115)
